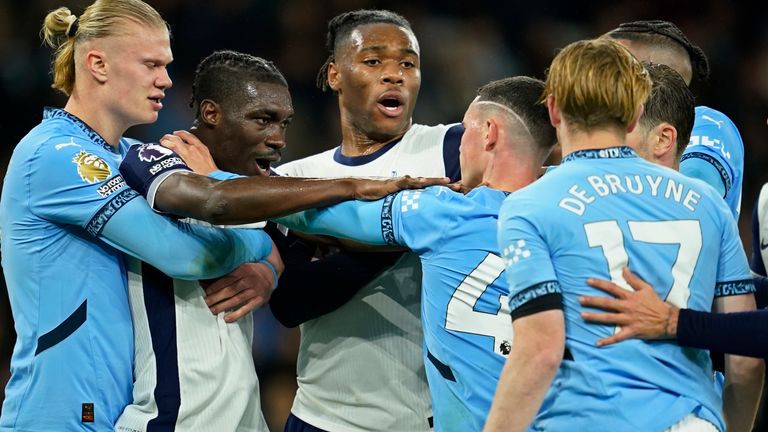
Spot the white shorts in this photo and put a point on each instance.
(691, 423)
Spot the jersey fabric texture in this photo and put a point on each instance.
(360, 367)
(464, 310)
(72, 363)
(193, 370)
(599, 211)
(716, 141)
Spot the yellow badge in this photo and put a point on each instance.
(91, 168)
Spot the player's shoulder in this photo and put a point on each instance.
(710, 119)
(419, 136)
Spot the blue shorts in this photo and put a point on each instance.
(295, 424)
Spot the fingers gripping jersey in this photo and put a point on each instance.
(598, 212)
(716, 142)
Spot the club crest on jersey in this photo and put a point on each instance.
(515, 252)
(410, 200)
(153, 152)
(91, 168)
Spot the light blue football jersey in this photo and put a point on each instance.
(66, 214)
(599, 211)
(464, 312)
(716, 141)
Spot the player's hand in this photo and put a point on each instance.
(195, 154)
(373, 189)
(245, 289)
(640, 313)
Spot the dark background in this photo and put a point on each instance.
(463, 45)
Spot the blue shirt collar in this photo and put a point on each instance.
(51, 113)
(606, 153)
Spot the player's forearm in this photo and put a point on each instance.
(356, 220)
(181, 250)
(741, 394)
(528, 372)
(247, 199)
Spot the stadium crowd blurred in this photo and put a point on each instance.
(464, 45)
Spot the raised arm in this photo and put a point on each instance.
(169, 186)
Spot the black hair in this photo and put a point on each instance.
(670, 101)
(522, 95)
(665, 34)
(220, 75)
(340, 27)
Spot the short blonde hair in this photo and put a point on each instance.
(597, 83)
(62, 31)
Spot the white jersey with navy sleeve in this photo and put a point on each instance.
(760, 233)
(599, 211)
(360, 367)
(464, 310)
(193, 370)
(716, 141)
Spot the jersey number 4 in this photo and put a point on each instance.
(462, 314)
(684, 233)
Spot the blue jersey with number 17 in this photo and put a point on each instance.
(599, 211)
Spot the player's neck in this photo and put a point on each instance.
(357, 143)
(95, 118)
(511, 172)
(574, 140)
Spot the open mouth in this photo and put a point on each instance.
(391, 104)
(157, 101)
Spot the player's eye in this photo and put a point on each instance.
(262, 121)
(408, 64)
(372, 61)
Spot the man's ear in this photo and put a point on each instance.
(491, 134)
(665, 146)
(210, 113)
(96, 65)
(334, 77)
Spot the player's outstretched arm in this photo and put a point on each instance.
(182, 250)
(252, 199)
(354, 220)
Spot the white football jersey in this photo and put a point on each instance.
(360, 367)
(192, 370)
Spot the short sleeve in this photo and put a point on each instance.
(77, 183)
(733, 276)
(418, 219)
(146, 166)
(716, 141)
(533, 284)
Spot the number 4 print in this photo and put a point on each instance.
(462, 317)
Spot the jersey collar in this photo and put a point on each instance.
(51, 113)
(606, 153)
(362, 160)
